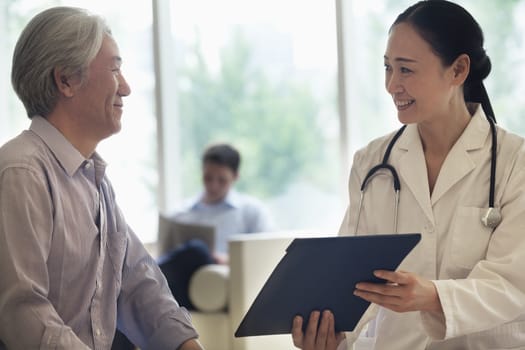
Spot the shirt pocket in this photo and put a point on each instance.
(470, 238)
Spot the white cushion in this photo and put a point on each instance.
(209, 288)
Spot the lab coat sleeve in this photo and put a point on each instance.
(349, 220)
(348, 228)
(494, 291)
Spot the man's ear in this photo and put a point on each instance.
(461, 68)
(65, 83)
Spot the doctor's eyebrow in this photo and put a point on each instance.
(401, 59)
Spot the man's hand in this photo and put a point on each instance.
(404, 291)
(221, 258)
(317, 336)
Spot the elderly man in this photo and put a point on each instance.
(71, 269)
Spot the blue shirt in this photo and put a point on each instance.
(69, 264)
(236, 213)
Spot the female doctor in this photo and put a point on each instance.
(463, 286)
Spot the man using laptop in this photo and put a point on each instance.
(220, 207)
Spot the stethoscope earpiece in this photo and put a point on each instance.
(491, 218)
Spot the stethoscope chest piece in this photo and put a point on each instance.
(491, 218)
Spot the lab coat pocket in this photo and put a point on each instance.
(470, 237)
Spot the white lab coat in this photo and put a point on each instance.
(479, 273)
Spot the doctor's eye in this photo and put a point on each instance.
(405, 70)
(388, 67)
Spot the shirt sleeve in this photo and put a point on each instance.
(29, 320)
(147, 312)
(258, 217)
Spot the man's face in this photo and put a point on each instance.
(217, 180)
(100, 96)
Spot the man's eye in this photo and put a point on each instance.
(405, 70)
(388, 68)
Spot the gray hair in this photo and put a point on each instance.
(66, 38)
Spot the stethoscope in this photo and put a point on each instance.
(490, 218)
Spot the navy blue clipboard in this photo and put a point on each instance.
(320, 274)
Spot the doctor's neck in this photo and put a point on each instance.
(440, 134)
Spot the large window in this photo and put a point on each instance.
(262, 75)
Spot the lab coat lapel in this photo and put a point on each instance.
(461, 159)
(412, 169)
(457, 165)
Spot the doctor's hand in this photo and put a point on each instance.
(404, 291)
(317, 336)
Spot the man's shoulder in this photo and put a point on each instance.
(25, 150)
(248, 202)
(187, 205)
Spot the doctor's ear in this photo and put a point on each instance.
(460, 68)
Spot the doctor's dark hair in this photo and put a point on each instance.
(451, 31)
(222, 154)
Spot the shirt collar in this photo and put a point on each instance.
(233, 198)
(66, 154)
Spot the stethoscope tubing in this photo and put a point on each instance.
(487, 218)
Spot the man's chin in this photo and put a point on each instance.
(214, 199)
(116, 125)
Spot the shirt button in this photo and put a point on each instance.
(97, 332)
(87, 165)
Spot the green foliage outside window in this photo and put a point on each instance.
(273, 124)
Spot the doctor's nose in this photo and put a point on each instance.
(392, 83)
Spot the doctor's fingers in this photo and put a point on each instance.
(326, 338)
(399, 277)
(394, 303)
(318, 336)
(305, 340)
(401, 298)
(297, 332)
(387, 289)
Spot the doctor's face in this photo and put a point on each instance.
(415, 77)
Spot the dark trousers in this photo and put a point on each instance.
(177, 266)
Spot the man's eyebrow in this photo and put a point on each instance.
(401, 59)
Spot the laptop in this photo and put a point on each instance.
(173, 233)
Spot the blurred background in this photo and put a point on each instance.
(296, 86)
